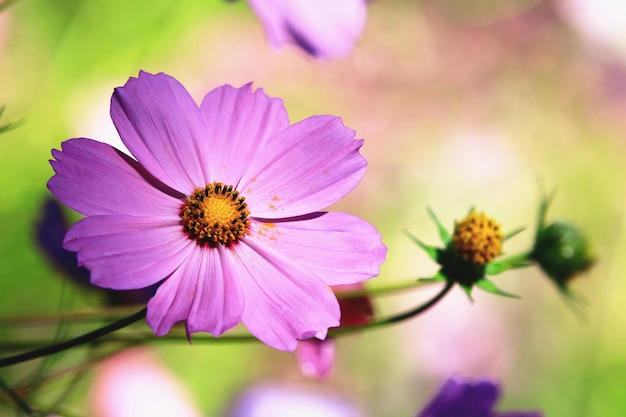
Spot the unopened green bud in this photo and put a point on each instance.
(562, 251)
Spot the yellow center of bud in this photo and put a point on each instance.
(215, 214)
(478, 238)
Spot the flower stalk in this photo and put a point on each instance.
(77, 341)
(92, 336)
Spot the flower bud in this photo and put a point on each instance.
(470, 253)
(562, 251)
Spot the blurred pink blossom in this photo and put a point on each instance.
(134, 384)
(441, 344)
(315, 357)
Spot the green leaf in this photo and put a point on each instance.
(9, 126)
(486, 285)
(443, 233)
(431, 251)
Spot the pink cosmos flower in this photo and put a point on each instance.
(222, 205)
(322, 28)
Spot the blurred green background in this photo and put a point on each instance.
(460, 104)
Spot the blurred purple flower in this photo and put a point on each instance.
(459, 398)
(51, 229)
(290, 401)
(222, 202)
(322, 28)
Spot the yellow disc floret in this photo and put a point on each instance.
(215, 214)
(478, 238)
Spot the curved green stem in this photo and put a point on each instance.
(68, 344)
(398, 317)
(172, 337)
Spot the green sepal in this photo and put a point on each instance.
(514, 232)
(439, 277)
(546, 199)
(486, 285)
(468, 291)
(431, 251)
(513, 262)
(575, 302)
(443, 233)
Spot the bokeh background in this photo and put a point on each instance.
(460, 104)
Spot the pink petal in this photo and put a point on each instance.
(239, 123)
(284, 302)
(338, 247)
(94, 178)
(306, 168)
(316, 358)
(162, 127)
(322, 28)
(126, 252)
(203, 291)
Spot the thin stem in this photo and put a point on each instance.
(77, 316)
(172, 337)
(398, 317)
(115, 312)
(245, 338)
(68, 344)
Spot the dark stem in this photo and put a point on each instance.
(68, 344)
(242, 338)
(398, 317)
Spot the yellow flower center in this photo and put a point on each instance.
(215, 214)
(478, 238)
